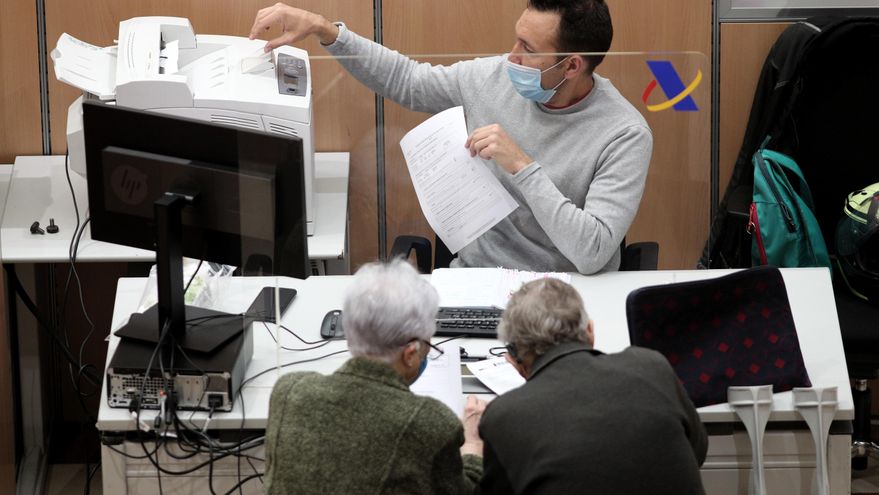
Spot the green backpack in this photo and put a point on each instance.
(785, 231)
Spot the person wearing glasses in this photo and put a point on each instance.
(361, 430)
(585, 421)
(563, 141)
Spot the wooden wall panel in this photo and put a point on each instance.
(20, 132)
(743, 49)
(344, 111)
(674, 209)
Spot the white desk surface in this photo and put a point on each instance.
(38, 190)
(809, 292)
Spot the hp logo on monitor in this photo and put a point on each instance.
(129, 184)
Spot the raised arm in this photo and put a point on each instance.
(417, 86)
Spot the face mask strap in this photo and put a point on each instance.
(557, 86)
(553, 66)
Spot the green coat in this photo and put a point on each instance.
(360, 430)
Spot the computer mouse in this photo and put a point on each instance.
(331, 327)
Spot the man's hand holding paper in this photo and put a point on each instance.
(493, 143)
(459, 196)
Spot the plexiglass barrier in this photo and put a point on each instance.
(645, 122)
(670, 91)
(624, 153)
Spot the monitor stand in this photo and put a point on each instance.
(207, 329)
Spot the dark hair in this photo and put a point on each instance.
(584, 26)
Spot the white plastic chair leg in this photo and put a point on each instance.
(818, 406)
(753, 405)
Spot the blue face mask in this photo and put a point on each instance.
(421, 368)
(526, 80)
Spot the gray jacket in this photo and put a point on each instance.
(587, 422)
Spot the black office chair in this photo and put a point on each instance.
(815, 98)
(859, 324)
(637, 256)
(831, 132)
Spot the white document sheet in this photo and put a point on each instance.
(442, 379)
(459, 196)
(257, 61)
(483, 286)
(170, 57)
(497, 374)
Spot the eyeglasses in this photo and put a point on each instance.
(497, 351)
(507, 349)
(433, 352)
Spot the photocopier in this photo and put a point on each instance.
(159, 64)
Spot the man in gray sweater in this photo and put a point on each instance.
(568, 147)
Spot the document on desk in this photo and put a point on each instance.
(459, 196)
(483, 286)
(442, 379)
(497, 374)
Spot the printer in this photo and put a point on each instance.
(159, 64)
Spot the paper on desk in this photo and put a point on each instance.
(442, 379)
(497, 374)
(483, 286)
(459, 196)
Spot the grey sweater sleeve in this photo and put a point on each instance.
(590, 236)
(417, 86)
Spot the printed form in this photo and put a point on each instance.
(459, 196)
(497, 374)
(442, 379)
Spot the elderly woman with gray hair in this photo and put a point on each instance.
(585, 421)
(360, 430)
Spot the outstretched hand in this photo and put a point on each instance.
(296, 24)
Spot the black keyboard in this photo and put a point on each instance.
(468, 321)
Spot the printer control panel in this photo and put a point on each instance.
(292, 75)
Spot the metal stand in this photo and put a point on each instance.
(818, 406)
(753, 405)
(169, 262)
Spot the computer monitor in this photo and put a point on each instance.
(190, 188)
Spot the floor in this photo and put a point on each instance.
(867, 481)
(69, 479)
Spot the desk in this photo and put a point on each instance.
(789, 450)
(38, 190)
